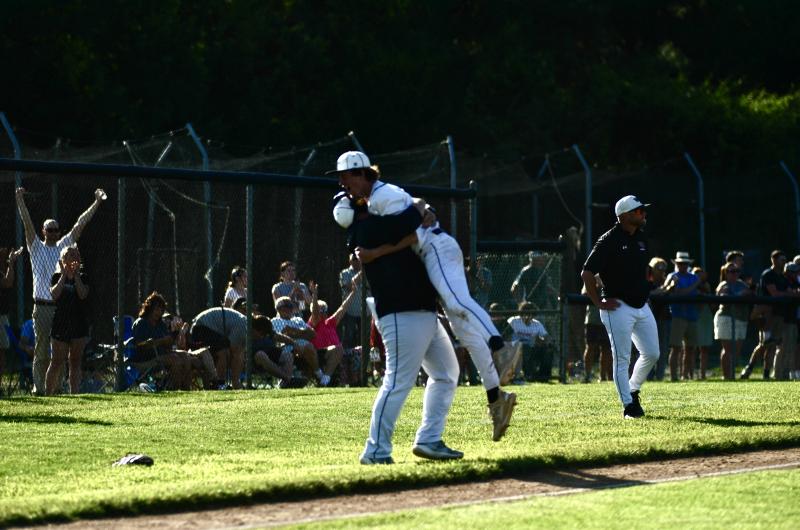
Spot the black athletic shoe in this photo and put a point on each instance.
(633, 409)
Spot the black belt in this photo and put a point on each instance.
(437, 231)
(44, 302)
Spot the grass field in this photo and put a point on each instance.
(234, 447)
(755, 500)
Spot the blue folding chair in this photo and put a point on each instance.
(25, 372)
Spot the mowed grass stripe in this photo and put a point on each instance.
(230, 447)
(765, 499)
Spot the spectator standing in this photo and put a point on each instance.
(787, 347)
(730, 320)
(44, 259)
(532, 284)
(773, 283)
(481, 281)
(683, 332)
(289, 286)
(598, 346)
(70, 329)
(351, 320)
(705, 322)
(656, 276)
(237, 287)
(8, 257)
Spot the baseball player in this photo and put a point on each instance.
(405, 303)
(444, 263)
(471, 324)
(620, 258)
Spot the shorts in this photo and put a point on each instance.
(683, 332)
(297, 342)
(772, 332)
(724, 327)
(203, 336)
(274, 353)
(67, 329)
(596, 334)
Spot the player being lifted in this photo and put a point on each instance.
(444, 262)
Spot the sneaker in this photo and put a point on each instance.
(500, 411)
(147, 388)
(294, 382)
(505, 361)
(436, 451)
(368, 461)
(324, 380)
(746, 371)
(633, 409)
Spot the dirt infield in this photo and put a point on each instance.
(542, 483)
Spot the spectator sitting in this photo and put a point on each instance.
(293, 327)
(329, 348)
(237, 286)
(683, 334)
(529, 332)
(154, 335)
(289, 286)
(276, 361)
(70, 331)
(223, 331)
(27, 338)
(730, 320)
(8, 257)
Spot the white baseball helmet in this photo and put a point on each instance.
(343, 211)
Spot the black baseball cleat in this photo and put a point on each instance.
(633, 409)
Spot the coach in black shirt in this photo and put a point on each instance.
(620, 259)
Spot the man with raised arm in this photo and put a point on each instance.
(44, 257)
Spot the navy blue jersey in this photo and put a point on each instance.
(621, 260)
(399, 280)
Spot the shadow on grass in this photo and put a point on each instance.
(36, 418)
(734, 422)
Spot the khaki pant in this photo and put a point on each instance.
(784, 355)
(42, 324)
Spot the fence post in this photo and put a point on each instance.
(119, 363)
(20, 272)
(701, 206)
(587, 198)
(352, 136)
(207, 200)
(451, 151)
(562, 361)
(298, 207)
(473, 226)
(796, 199)
(248, 367)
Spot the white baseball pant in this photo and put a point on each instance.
(412, 339)
(623, 324)
(471, 323)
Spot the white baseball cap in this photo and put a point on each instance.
(351, 160)
(343, 212)
(627, 204)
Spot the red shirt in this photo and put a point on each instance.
(326, 334)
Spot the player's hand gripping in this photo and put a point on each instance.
(365, 255)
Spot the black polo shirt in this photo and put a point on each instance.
(398, 281)
(621, 260)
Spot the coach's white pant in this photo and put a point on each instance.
(412, 339)
(623, 324)
(471, 323)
